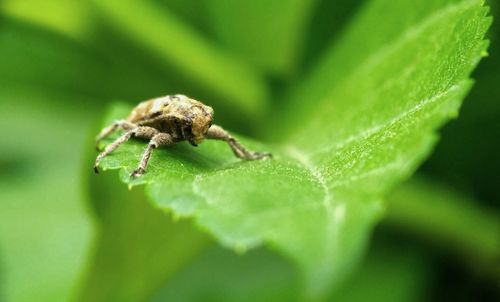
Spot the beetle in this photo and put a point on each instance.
(165, 121)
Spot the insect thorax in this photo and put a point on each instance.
(178, 115)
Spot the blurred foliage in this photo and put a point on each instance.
(137, 241)
(44, 228)
(268, 278)
(455, 221)
(317, 200)
(61, 63)
(273, 37)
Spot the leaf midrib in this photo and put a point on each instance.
(332, 212)
(304, 160)
(362, 135)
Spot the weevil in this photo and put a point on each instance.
(168, 120)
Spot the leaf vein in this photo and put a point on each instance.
(362, 135)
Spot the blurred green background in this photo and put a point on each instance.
(62, 62)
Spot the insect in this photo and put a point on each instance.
(168, 120)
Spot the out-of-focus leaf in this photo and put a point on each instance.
(44, 230)
(329, 20)
(224, 276)
(138, 247)
(269, 34)
(391, 273)
(179, 46)
(318, 199)
(449, 220)
(191, 11)
(35, 59)
(68, 17)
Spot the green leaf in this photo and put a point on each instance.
(467, 156)
(317, 200)
(44, 226)
(370, 53)
(244, 204)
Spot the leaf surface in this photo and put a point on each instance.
(317, 200)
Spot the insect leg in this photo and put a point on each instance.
(112, 147)
(218, 133)
(158, 140)
(125, 125)
(144, 132)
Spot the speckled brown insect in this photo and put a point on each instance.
(168, 120)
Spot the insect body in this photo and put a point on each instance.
(168, 120)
